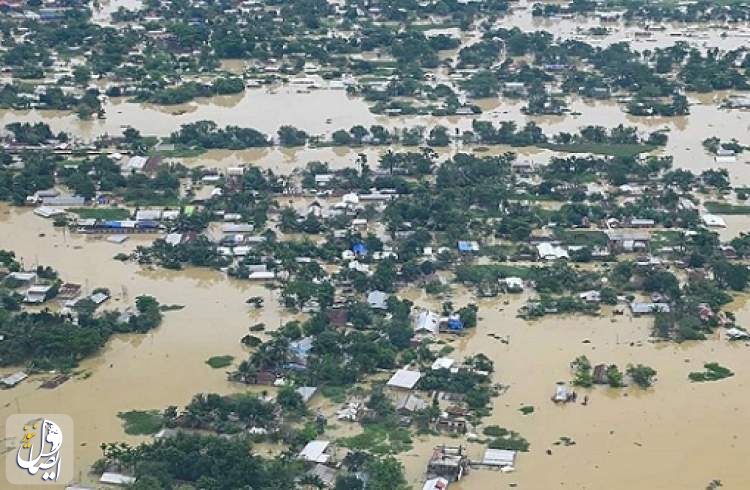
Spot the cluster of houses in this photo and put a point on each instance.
(36, 290)
(449, 464)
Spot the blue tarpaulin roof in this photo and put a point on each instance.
(359, 248)
(464, 246)
(455, 324)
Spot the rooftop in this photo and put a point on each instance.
(404, 379)
(314, 452)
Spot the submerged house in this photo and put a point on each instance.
(500, 458)
(13, 379)
(438, 483)
(404, 379)
(448, 462)
(427, 322)
(452, 324)
(638, 308)
(37, 294)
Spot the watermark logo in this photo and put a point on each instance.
(40, 449)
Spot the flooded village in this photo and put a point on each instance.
(470, 244)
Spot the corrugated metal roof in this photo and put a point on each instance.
(403, 378)
(314, 452)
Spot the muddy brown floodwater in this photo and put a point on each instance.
(323, 111)
(674, 436)
(164, 367)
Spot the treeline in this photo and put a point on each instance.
(46, 340)
(207, 135)
(187, 91)
(218, 463)
(19, 96)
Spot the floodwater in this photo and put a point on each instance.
(676, 435)
(696, 35)
(323, 111)
(286, 160)
(152, 371)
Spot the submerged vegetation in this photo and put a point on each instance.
(45, 340)
(713, 372)
(597, 222)
(139, 422)
(218, 362)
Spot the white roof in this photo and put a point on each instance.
(590, 295)
(116, 479)
(47, 212)
(241, 251)
(99, 298)
(173, 238)
(736, 333)
(377, 299)
(403, 378)
(306, 392)
(561, 393)
(314, 452)
(237, 228)
(14, 379)
(22, 276)
(725, 158)
(713, 220)
(170, 214)
(549, 251)
(148, 215)
(259, 275)
(117, 238)
(443, 363)
(136, 163)
(513, 282)
(427, 321)
(499, 457)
